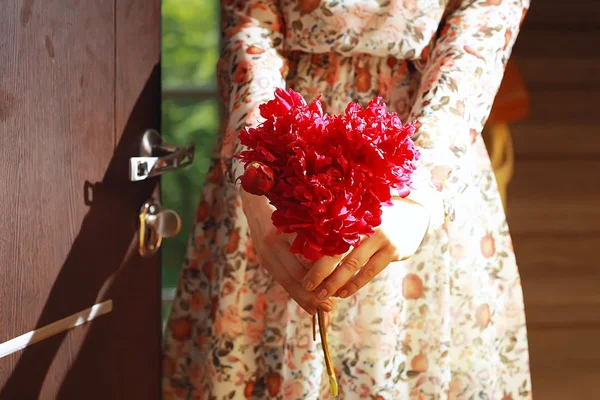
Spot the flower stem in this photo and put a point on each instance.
(328, 364)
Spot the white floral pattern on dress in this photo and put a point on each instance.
(446, 324)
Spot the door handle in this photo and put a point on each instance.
(155, 224)
(157, 157)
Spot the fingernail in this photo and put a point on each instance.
(326, 307)
(322, 294)
(342, 293)
(308, 285)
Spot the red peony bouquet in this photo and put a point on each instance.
(327, 176)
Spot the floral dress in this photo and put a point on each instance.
(449, 322)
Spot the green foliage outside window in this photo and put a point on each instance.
(190, 34)
(190, 38)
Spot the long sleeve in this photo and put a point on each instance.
(460, 79)
(250, 68)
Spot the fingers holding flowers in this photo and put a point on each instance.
(273, 253)
(271, 261)
(391, 242)
(380, 260)
(365, 261)
(320, 270)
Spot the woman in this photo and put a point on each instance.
(435, 309)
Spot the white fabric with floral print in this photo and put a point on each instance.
(446, 324)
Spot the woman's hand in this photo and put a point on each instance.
(273, 252)
(403, 227)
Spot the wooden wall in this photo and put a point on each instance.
(554, 199)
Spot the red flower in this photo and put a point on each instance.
(488, 246)
(258, 179)
(331, 174)
(391, 62)
(507, 38)
(243, 72)
(483, 316)
(249, 389)
(202, 211)
(209, 270)
(473, 52)
(308, 6)
(363, 80)
(412, 287)
(181, 328)
(419, 363)
(254, 50)
(523, 15)
(234, 241)
(274, 383)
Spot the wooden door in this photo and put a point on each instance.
(79, 83)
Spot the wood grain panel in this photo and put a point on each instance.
(554, 197)
(562, 123)
(559, 104)
(560, 271)
(561, 315)
(556, 140)
(540, 43)
(557, 256)
(560, 14)
(560, 279)
(583, 73)
(56, 134)
(138, 108)
(565, 363)
(74, 101)
(135, 324)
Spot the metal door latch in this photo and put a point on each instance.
(157, 157)
(156, 224)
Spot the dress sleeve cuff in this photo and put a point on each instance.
(433, 201)
(440, 208)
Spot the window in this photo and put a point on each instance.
(190, 36)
